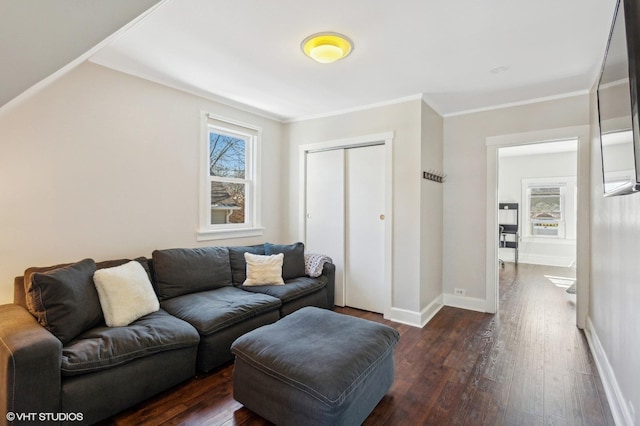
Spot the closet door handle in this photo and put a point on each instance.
(381, 217)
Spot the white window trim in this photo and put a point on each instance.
(206, 231)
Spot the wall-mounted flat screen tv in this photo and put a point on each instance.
(618, 90)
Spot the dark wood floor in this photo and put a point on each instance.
(528, 365)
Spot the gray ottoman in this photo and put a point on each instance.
(314, 367)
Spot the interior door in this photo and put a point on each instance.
(325, 210)
(364, 218)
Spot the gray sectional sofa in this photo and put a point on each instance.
(58, 356)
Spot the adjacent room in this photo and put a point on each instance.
(433, 205)
(537, 214)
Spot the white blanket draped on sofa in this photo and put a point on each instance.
(314, 262)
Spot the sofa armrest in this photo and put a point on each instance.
(329, 271)
(30, 360)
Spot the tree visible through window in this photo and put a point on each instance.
(227, 171)
(229, 179)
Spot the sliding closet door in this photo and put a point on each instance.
(325, 210)
(364, 217)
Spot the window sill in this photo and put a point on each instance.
(221, 234)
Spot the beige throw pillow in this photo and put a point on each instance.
(126, 293)
(264, 270)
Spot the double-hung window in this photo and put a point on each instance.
(546, 207)
(549, 207)
(229, 195)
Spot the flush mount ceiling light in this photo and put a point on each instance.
(327, 47)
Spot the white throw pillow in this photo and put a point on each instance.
(125, 293)
(264, 270)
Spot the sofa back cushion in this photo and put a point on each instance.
(239, 263)
(64, 299)
(27, 281)
(293, 266)
(183, 271)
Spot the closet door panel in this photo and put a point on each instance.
(325, 228)
(364, 242)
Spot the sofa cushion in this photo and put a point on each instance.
(27, 280)
(238, 262)
(125, 292)
(183, 271)
(64, 300)
(293, 266)
(117, 262)
(215, 310)
(263, 270)
(293, 289)
(103, 347)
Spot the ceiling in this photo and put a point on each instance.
(458, 56)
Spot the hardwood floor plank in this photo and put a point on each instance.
(572, 398)
(554, 395)
(526, 365)
(514, 417)
(591, 405)
(487, 406)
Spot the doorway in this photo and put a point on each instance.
(537, 203)
(494, 144)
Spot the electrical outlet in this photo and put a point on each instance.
(458, 291)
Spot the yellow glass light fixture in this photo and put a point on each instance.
(327, 47)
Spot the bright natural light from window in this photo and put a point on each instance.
(549, 207)
(229, 188)
(227, 161)
(545, 203)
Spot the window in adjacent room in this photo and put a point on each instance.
(229, 185)
(549, 207)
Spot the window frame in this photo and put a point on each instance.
(252, 135)
(568, 188)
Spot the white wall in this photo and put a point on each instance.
(511, 172)
(614, 310)
(431, 209)
(101, 164)
(465, 191)
(405, 120)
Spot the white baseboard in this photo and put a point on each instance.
(463, 302)
(413, 318)
(619, 408)
(430, 310)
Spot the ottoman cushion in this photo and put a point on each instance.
(314, 366)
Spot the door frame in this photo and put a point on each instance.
(385, 139)
(583, 241)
